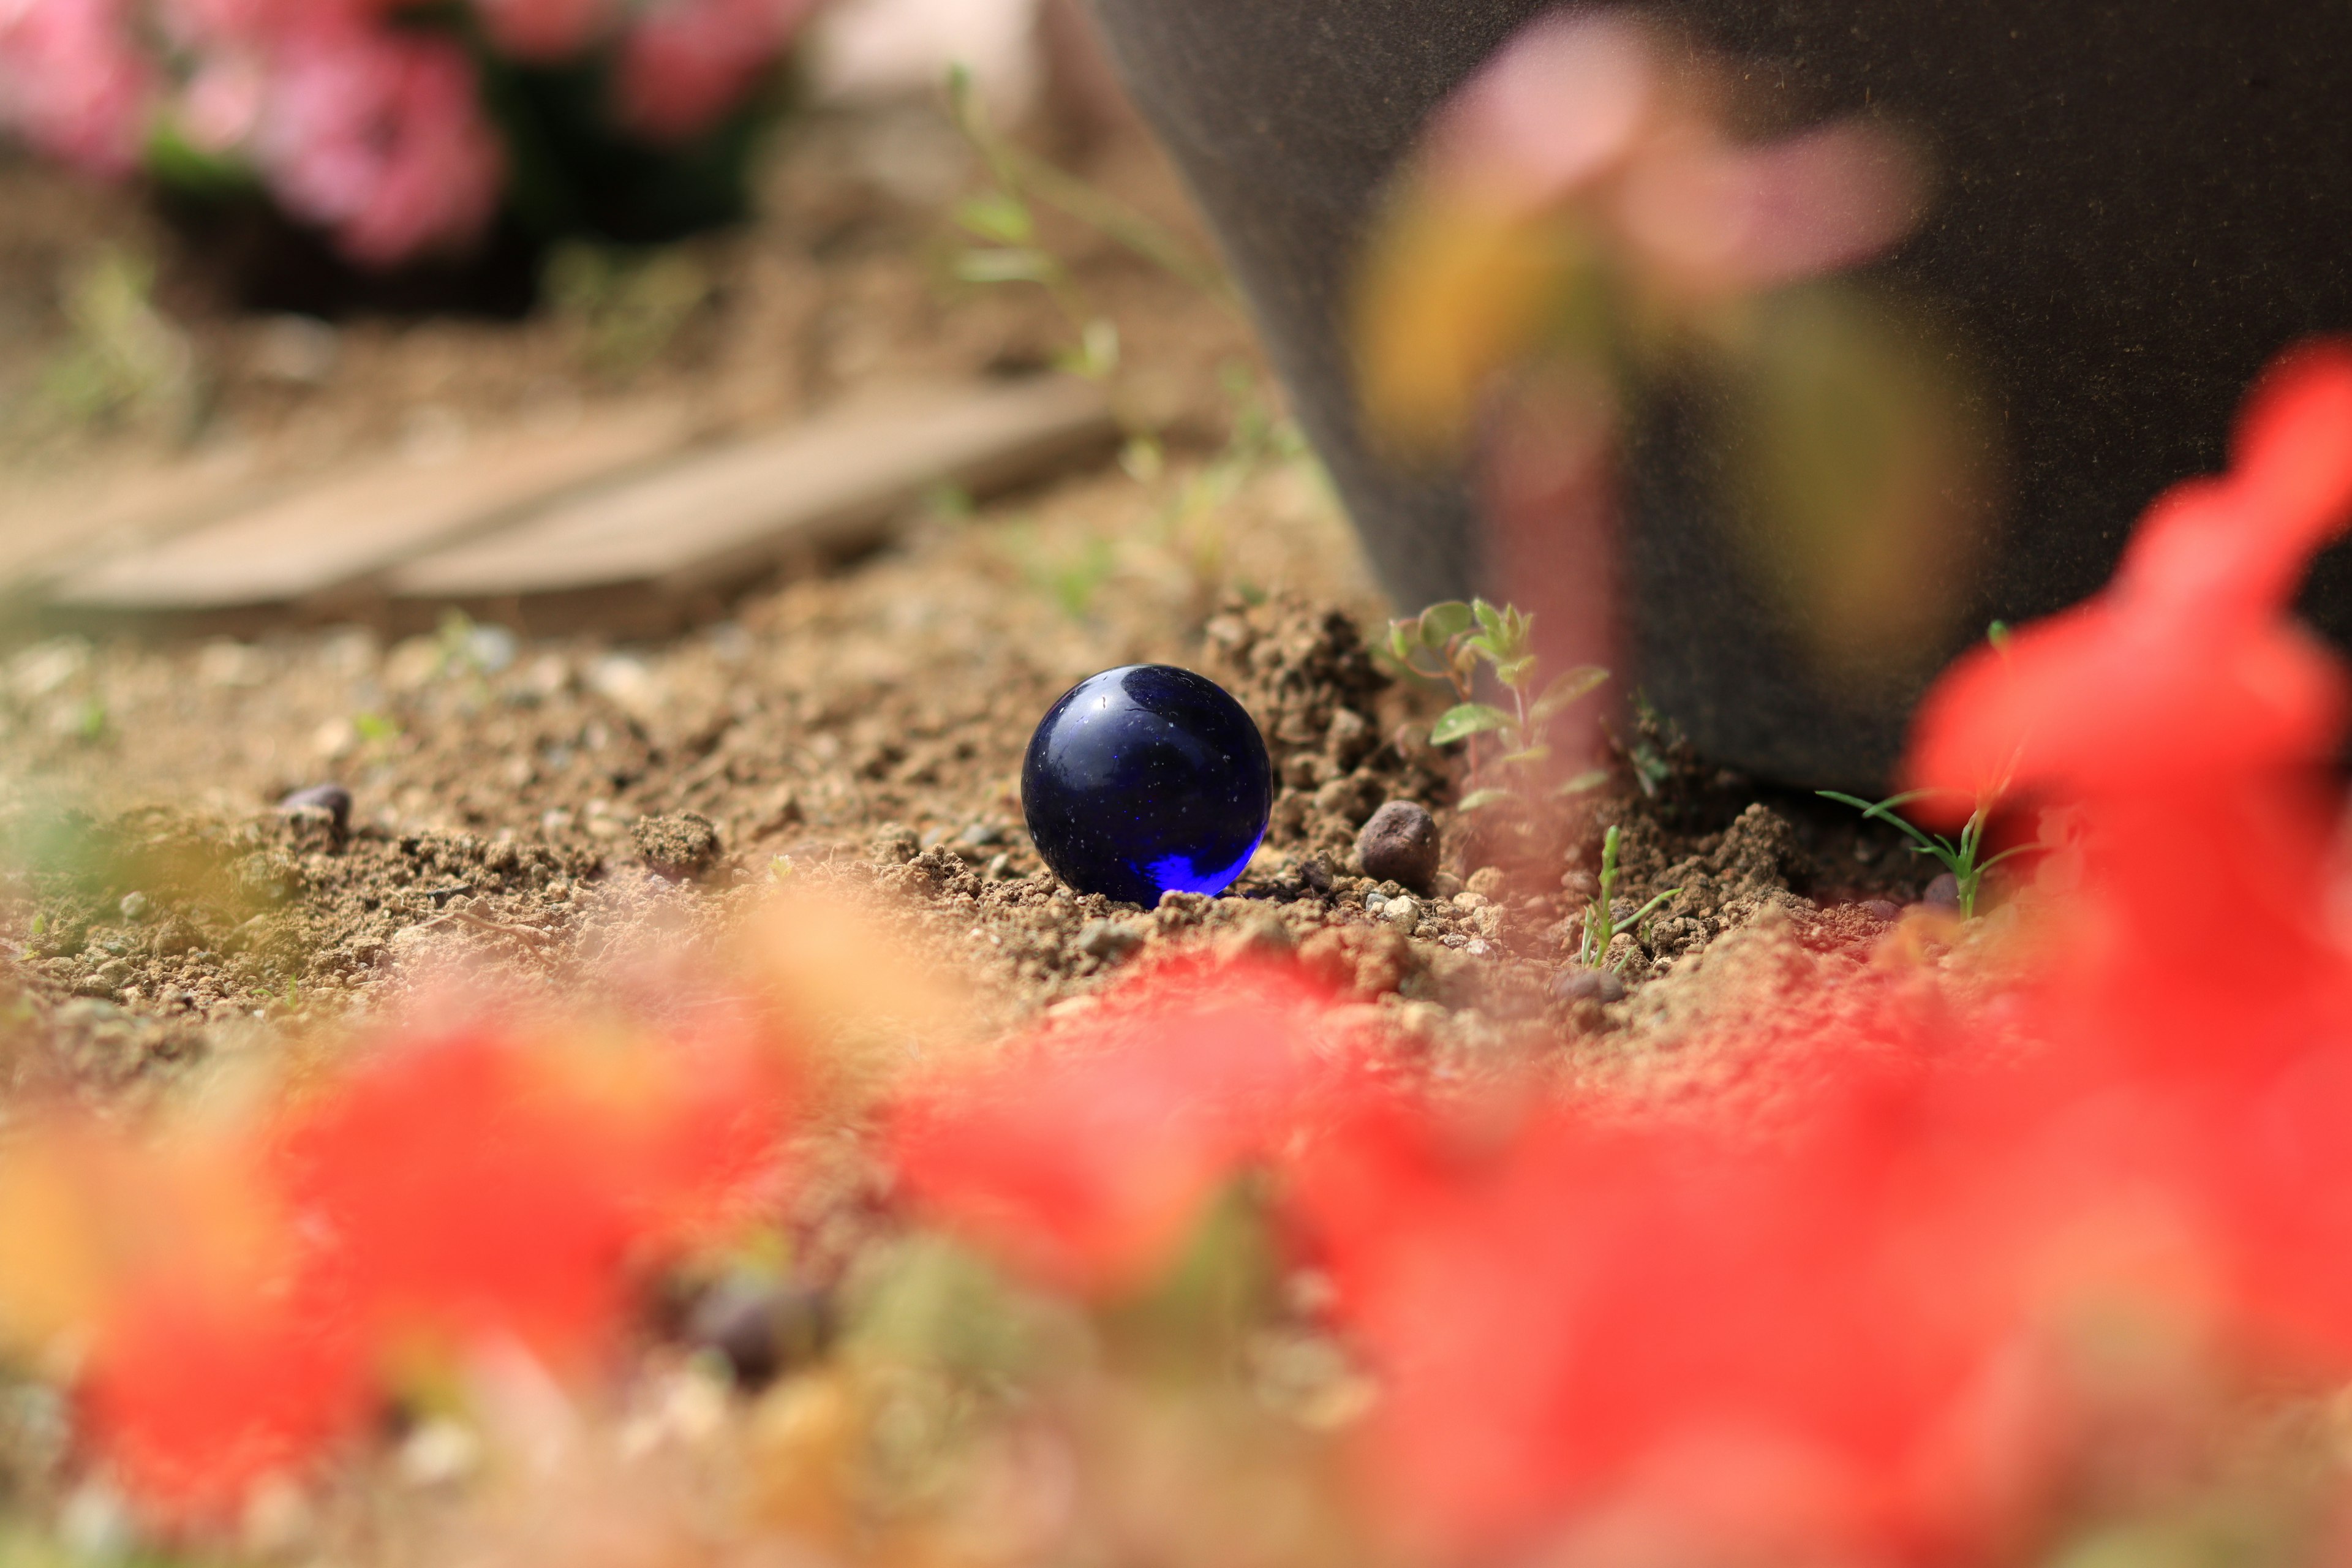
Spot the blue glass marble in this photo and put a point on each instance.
(1147, 780)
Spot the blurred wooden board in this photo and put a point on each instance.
(48, 529)
(333, 533)
(828, 485)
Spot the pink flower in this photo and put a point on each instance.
(379, 137)
(545, 29)
(1600, 112)
(72, 82)
(685, 63)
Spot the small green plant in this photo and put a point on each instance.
(89, 720)
(1460, 638)
(1003, 218)
(125, 357)
(1602, 925)
(626, 307)
(1964, 857)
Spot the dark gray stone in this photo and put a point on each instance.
(1588, 985)
(762, 1327)
(329, 800)
(1400, 845)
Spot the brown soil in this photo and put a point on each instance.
(535, 802)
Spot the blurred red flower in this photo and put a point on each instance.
(1087, 1152)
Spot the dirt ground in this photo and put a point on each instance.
(534, 802)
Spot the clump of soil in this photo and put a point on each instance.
(192, 925)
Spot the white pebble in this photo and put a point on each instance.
(1404, 914)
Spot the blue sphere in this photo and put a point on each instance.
(1147, 780)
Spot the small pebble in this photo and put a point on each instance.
(332, 799)
(1884, 911)
(1404, 914)
(1373, 902)
(1943, 893)
(1589, 986)
(762, 1328)
(1399, 845)
(134, 907)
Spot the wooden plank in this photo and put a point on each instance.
(48, 529)
(328, 536)
(830, 484)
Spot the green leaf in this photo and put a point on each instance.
(1490, 619)
(1442, 623)
(1567, 688)
(1477, 800)
(1644, 913)
(1010, 266)
(1535, 753)
(1469, 718)
(1097, 355)
(1399, 649)
(1517, 670)
(1584, 783)
(1997, 633)
(998, 218)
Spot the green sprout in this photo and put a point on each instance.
(1460, 638)
(1004, 219)
(1600, 924)
(1964, 857)
(378, 730)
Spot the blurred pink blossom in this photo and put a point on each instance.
(685, 63)
(379, 137)
(72, 82)
(545, 29)
(363, 117)
(1605, 112)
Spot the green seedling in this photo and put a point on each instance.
(1003, 220)
(1460, 638)
(1964, 857)
(124, 357)
(1190, 522)
(1600, 924)
(626, 307)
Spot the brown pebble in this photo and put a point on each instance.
(1400, 845)
(1943, 893)
(1589, 986)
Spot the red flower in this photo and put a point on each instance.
(1088, 1153)
(479, 1184)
